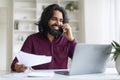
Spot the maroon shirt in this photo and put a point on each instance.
(60, 49)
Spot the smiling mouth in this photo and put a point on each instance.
(56, 27)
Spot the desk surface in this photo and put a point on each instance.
(109, 74)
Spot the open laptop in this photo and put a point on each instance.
(88, 59)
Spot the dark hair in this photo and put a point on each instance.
(47, 15)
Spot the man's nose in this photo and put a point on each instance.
(58, 22)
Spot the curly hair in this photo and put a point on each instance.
(47, 15)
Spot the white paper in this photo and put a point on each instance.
(29, 60)
(15, 75)
(40, 74)
(34, 73)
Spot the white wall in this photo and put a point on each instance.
(117, 7)
(94, 30)
(3, 45)
(3, 2)
(5, 35)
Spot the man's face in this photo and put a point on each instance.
(55, 24)
(57, 20)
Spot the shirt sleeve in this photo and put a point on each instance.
(28, 44)
(72, 45)
(13, 64)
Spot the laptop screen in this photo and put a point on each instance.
(90, 58)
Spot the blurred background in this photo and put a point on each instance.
(92, 22)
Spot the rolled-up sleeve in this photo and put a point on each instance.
(72, 45)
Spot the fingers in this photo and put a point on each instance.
(68, 32)
(20, 67)
(67, 27)
(64, 26)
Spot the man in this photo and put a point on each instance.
(53, 39)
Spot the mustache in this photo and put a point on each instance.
(55, 25)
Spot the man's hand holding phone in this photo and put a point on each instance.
(68, 31)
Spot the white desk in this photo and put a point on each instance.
(109, 74)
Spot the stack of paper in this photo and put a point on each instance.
(40, 74)
(29, 60)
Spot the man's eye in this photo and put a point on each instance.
(61, 20)
(53, 19)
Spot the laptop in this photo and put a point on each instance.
(88, 59)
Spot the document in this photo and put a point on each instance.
(29, 60)
(31, 74)
(40, 74)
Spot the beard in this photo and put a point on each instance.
(55, 30)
